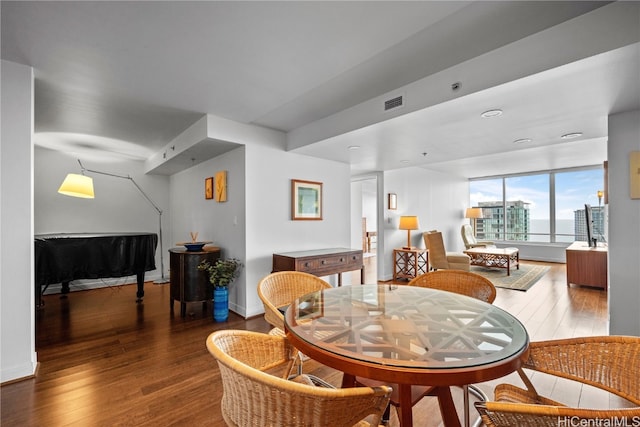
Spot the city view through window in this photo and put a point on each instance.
(541, 207)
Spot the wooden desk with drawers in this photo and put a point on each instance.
(321, 262)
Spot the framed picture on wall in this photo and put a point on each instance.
(392, 201)
(306, 200)
(208, 188)
(221, 186)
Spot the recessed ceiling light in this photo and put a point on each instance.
(354, 147)
(404, 161)
(571, 135)
(522, 141)
(491, 113)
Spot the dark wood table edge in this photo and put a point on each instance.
(443, 379)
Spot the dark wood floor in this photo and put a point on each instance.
(105, 360)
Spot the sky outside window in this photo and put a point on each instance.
(573, 188)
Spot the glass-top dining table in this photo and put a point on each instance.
(408, 335)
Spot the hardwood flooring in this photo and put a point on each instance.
(105, 360)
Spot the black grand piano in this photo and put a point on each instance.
(61, 258)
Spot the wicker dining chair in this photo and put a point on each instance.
(459, 282)
(610, 363)
(277, 291)
(253, 397)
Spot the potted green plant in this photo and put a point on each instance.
(221, 274)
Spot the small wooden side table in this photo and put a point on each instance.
(188, 284)
(410, 263)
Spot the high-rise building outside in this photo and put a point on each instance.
(580, 223)
(495, 225)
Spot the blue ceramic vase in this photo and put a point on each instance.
(220, 304)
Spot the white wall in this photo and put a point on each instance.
(269, 226)
(356, 214)
(438, 199)
(223, 223)
(256, 222)
(624, 227)
(363, 205)
(118, 206)
(17, 317)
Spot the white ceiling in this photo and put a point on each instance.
(125, 78)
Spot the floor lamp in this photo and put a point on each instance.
(82, 186)
(473, 214)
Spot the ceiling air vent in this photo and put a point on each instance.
(393, 103)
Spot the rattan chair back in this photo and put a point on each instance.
(252, 397)
(611, 363)
(282, 288)
(459, 282)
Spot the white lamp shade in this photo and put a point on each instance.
(77, 186)
(473, 213)
(409, 223)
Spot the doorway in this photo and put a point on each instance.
(365, 223)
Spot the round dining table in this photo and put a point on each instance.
(408, 335)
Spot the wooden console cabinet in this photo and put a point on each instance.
(188, 284)
(321, 262)
(587, 266)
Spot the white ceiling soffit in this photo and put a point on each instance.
(143, 72)
(542, 105)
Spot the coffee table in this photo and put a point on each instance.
(495, 257)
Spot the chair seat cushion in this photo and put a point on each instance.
(458, 257)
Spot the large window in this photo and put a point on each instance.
(541, 207)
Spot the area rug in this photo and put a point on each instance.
(519, 280)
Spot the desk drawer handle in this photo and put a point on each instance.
(324, 262)
(341, 259)
(306, 264)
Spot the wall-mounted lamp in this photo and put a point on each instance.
(75, 185)
(409, 223)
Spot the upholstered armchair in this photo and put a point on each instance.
(470, 240)
(439, 258)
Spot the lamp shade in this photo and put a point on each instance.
(409, 223)
(77, 186)
(473, 213)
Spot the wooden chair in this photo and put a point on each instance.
(251, 396)
(439, 258)
(611, 363)
(460, 282)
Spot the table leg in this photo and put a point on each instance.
(348, 380)
(339, 279)
(447, 408)
(362, 275)
(508, 265)
(405, 411)
(65, 289)
(140, 280)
